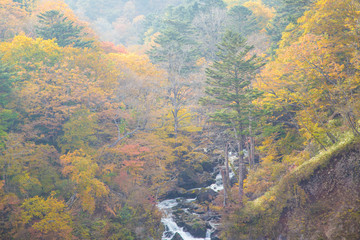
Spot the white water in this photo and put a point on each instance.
(171, 228)
(218, 185)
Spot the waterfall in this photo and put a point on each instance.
(167, 206)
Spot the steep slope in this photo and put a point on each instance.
(333, 201)
(318, 200)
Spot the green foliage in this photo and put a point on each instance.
(53, 24)
(7, 119)
(79, 132)
(28, 169)
(175, 49)
(288, 12)
(7, 116)
(6, 80)
(229, 82)
(242, 20)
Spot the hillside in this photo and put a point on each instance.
(179, 120)
(317, 200)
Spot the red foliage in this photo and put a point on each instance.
(110, 47)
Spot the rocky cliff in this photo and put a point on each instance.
(331, 209)
(318, 200)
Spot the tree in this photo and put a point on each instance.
(176, 52)
(11, 18)
(210, 27)
(229, 90)
(322, 86)
(81, 170)
(7, 116)
(287, 13)
(53, 24)
(26, 168)
(241, 20)
(28, 5)
(49, 217)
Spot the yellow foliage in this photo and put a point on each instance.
(81, 170)
(47, 216)
(263, 14)
(30, 52)
(139, 64)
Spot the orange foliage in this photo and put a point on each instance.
(110, 47)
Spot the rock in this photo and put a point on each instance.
(188, 179)
(198, 168)
(214, 235)
(206, 179)
(191, 223)
(180, 192)
(215, 238)
(208, 166)
(168, 234)
(196, 228)
(177, 237)
(192, 193)
(206, 195)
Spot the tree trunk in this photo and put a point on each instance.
(252, 150)
(222, 171)
(227, 178)
(241, 171)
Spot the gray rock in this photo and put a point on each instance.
(206, 195)
(177, 237)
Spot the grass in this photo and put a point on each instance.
(307, 169)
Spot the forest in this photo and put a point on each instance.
(179, 119)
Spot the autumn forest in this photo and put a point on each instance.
(179, 120)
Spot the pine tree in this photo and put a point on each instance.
(177, 53)
(53, 24)
(229, 90)
(7, 116)
(288, 12)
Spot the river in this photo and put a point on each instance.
(170, 205)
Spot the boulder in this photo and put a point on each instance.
(208, 166)
(191, 223)
(180, 192)
(206, 179)
(206, 195)
(196, 228)
(188, 179)
(177, 237)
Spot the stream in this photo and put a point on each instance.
(169, 206)
(171, 227)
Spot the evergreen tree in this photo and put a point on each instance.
(53, 24)
(288, 12)
(229, 90)
(242, 20)
(5, 84)
(7, 116)
(177, 53)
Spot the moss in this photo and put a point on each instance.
(261, 217)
